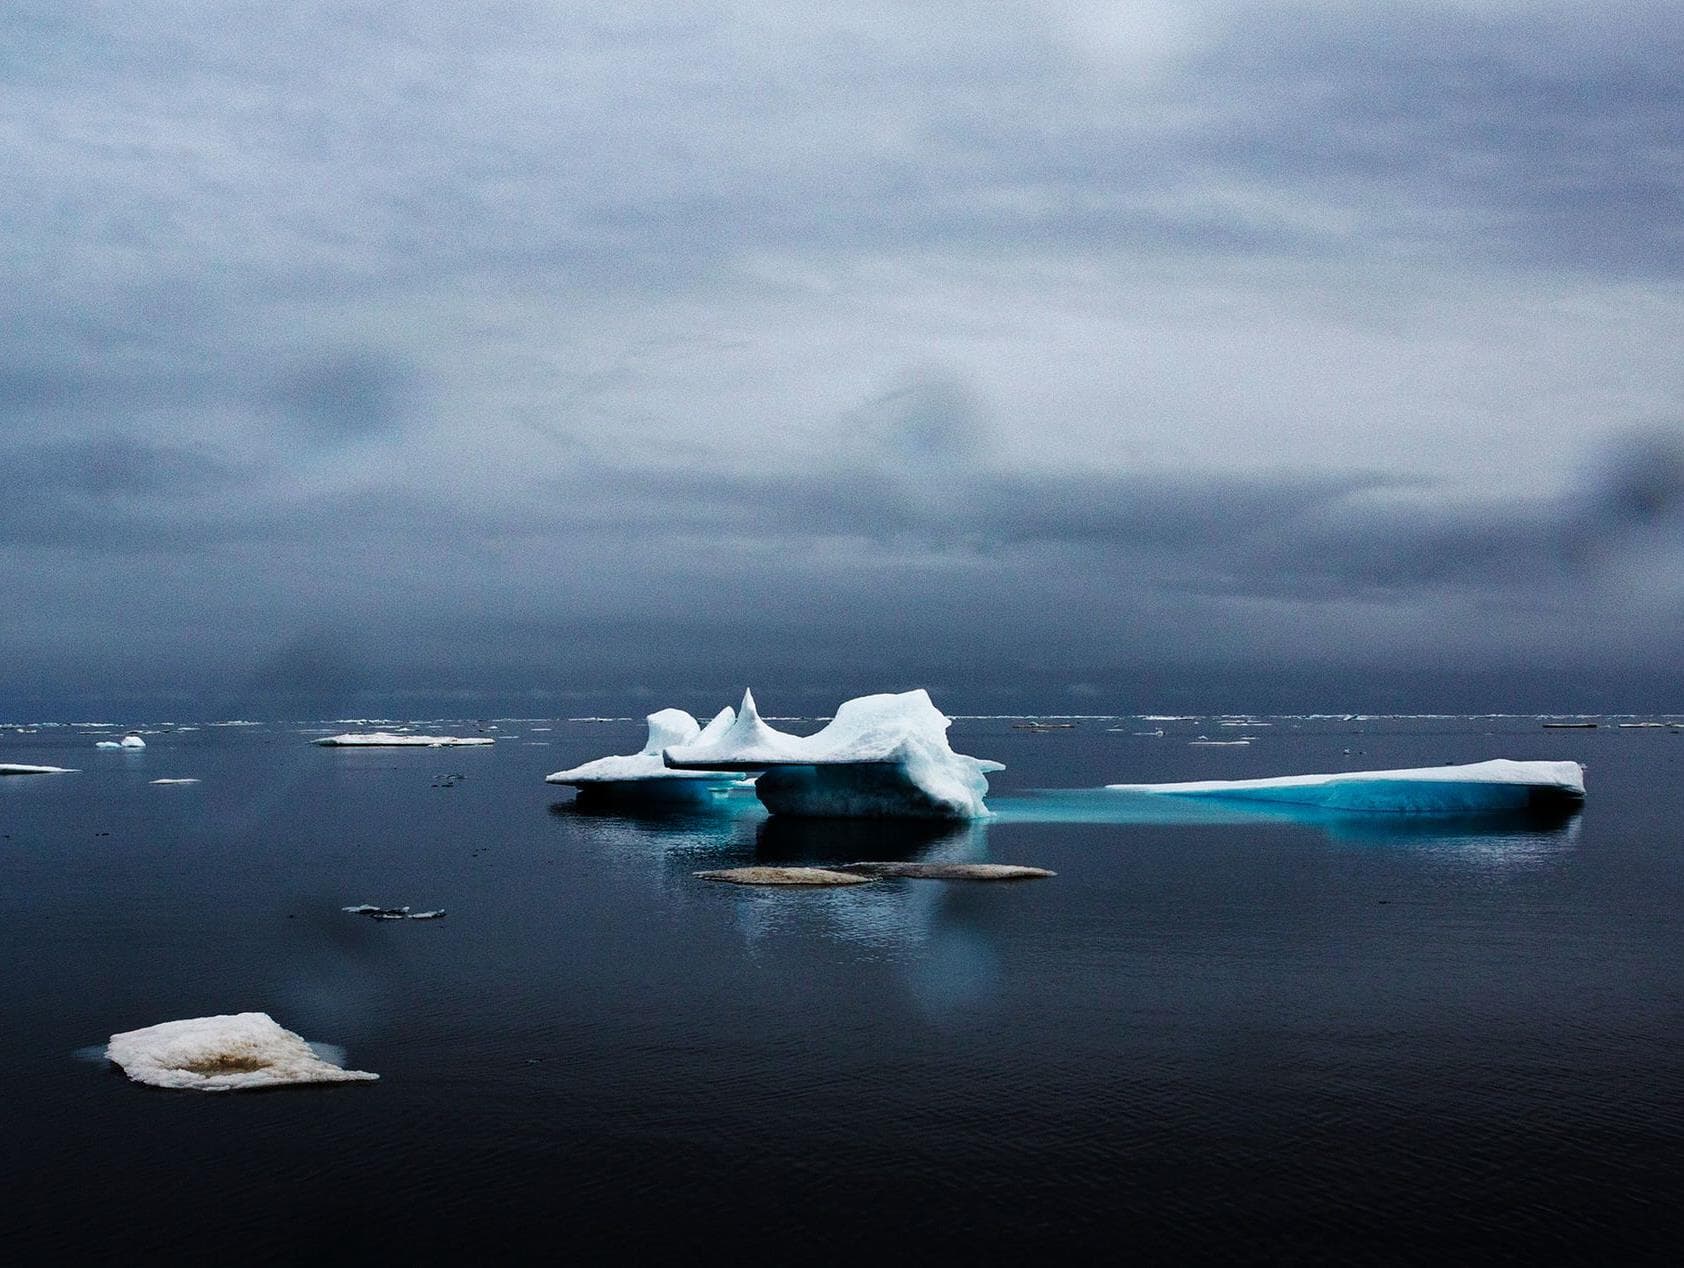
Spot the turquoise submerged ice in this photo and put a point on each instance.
(881, 757)
(643, 776)
(1498, 785)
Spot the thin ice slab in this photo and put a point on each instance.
(1498, 785)
(233, 1052)
(10, 768)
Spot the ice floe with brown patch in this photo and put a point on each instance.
(952, 871)
(231, 1052)
(784, 876)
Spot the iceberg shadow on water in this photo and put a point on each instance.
(785, 839)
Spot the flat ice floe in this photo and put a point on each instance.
(234, 1052)
(951, 871)
(644, 776)
(174, 781)
(1480, 786)
(386, 739)
(784, 876)
(882, 756)
(11, 768)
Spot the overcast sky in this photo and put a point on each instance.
(1101, 355)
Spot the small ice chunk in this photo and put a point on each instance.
(175, 781)
(1479, 786)
(784, 876)
(228, 1053)
(391, 913)
(10, 768)
(952, 871)
(386, 739)
(131, 741)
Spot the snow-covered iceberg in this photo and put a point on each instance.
(12, 768)
(644, 776)
(229, 1053)
(1498, 785)
(386, 739)
(882, 756)
(128, 742)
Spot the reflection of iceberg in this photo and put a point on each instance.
(643, 776)
(883, 756)
(1437, 790)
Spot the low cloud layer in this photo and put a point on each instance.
(419, 356)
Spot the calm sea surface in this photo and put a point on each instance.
(1248, 1040)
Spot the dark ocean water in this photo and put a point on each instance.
(1342, 1040)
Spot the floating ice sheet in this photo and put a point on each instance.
(386, 739)
(228, 1053)
(1498, 785)
(11, 768)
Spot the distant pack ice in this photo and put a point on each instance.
(882, 756)
(644, 776)
(386, 739)
(1497, 785)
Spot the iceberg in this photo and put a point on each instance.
(11, 768)
(1480, 787)
(229, 1053)
(386, 739)
(128, 741)
(644, 776)
(881, 756)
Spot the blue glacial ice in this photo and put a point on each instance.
(1494, 786)
(881, 756)
(643, 776)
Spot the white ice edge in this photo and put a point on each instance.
(12, 768)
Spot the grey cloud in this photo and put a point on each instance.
(346, 395)
(292, 304)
